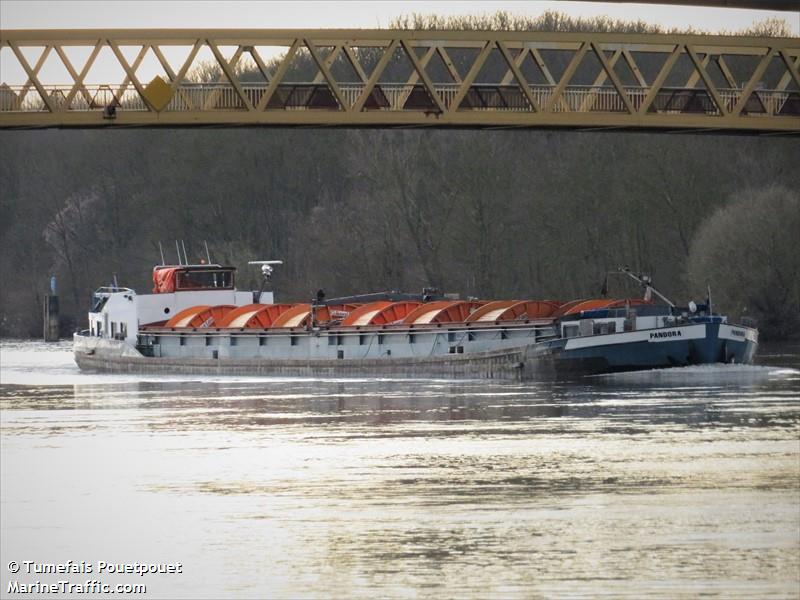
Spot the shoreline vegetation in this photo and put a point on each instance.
(490, 213)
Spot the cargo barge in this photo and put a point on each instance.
(196, 322)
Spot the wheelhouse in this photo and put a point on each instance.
(193, 278)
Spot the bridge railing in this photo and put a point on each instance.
(401, 97)
(400, 78)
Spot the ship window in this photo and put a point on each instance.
(333, 340)
(262, 340)
(604, 328)
(503, 334)
(340, 354)
(208, 340)
(206, 280)
(451, 336)
(234, 341)
(412, 338)
(362, 339)
(294, 340)
(123, 329)
(570, 331)
(182, 339)
(381, 338)
(471, 337)
(113, 328)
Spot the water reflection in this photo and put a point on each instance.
(758, 399)
(668, 484)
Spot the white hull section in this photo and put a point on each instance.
(652, 336)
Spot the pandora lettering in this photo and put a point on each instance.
(665, 334)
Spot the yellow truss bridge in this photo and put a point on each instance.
(405, 78)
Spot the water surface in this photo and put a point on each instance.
(667, 484)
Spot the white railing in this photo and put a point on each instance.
(390, 97)
(88, 98)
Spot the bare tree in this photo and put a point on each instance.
(747, 251)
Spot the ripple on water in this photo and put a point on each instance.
(673, 484)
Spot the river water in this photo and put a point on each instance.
(668, 484)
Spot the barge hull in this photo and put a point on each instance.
(698, 344)
(116, 357)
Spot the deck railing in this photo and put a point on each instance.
(400, 97)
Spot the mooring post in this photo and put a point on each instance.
(51, 313)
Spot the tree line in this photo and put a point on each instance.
(484, 213)
(521, 213)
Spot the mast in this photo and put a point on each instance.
(646, 282)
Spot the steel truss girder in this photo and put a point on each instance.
(742, 105)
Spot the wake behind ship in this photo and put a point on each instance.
(195, 321)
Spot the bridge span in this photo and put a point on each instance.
(405, 78)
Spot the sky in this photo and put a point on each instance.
(67, 14)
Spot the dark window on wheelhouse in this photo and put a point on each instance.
(210, 279)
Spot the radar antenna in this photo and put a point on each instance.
(266, 272)
(266, 267)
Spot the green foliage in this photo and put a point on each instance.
(747, 251)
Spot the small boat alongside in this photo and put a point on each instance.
(195, 321)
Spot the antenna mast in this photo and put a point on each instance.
(645, 281)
